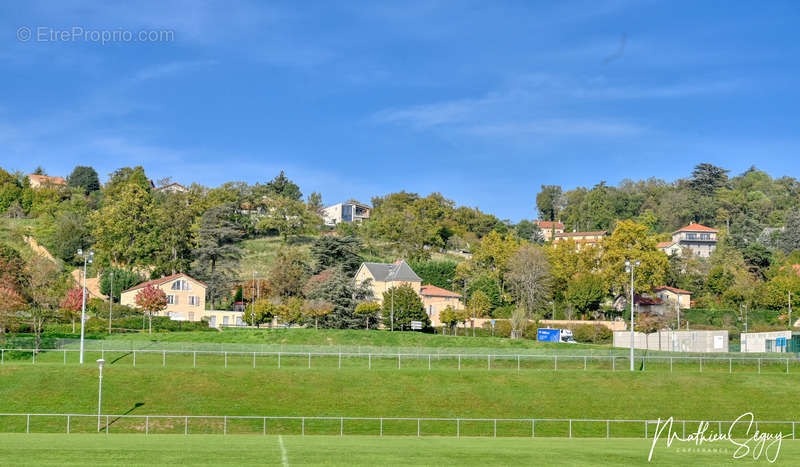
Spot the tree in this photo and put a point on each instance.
(123, 279)
(281, 186)
(151, 299)
(707, 178)
(527, 230)
(11, 302)
(530, 278)
(314, 202)
(45, 287)
(126, 176)
(368, 311)
(123, 228)
(290, 311)
(585, 292)
(407, 308)
(631, 241)
(72, 304)
(173, 219)
(338, 288)
(451, 317)
(315, 309)
(262, 311)
(789, 239)
(289, 273)
(84, 178)
(549, 201)
(344, 252)
(441, 273)
(479, 306)
(216, 249)
(289, 218)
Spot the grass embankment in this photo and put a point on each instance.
(388, 393)
(289, 450)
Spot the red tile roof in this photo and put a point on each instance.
(672, 289)
(639, 300)
(696, 228)
(163, 280)
(550, 225)
(665, 244)
(432, 290)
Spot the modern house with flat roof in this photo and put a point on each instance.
(345, 212)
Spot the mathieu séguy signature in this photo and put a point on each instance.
(758, 443)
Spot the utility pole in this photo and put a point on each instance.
(790, 310)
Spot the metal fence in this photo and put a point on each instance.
(384, 360)
(374, 426)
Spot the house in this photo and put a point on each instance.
(672, 295)
(646, 305)
(345, 212)
(581, 239)
(550, 229)
(698, 239)
(173, 187)
(44, 181)
(435, 299)
(383, 276)
(186, 296)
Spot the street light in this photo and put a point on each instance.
(100, 393)
(88, 258)
(629, 267)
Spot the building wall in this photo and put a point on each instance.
(378, 288)
(675, 341)
(435, 304)
(757, 341)
(180, 309)
(684, 300)
(221, 318)
(332, 215)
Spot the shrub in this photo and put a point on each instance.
(592, 333)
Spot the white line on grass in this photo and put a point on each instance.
(284, 458)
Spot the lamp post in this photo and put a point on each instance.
(110, 302)
(87, 259)
(629, 267)
(100, 393)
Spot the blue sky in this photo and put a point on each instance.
(482, 101)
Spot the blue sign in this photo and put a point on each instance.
(492, 323)
(780, 342)
(548, 335)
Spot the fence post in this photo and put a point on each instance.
(381, 427)
(33, 352)
(730, 365)
(701, 364)
(134, 358)
(186, 426)
(787, 366)
(533, 428)
(225, 425)
(147, 425)
(279, 359)
(613, 363)
(164, 358)
(418, 428)
(684, 428)
(792, 430)
(608, 429)
(264, 429)
(68, 424)
(458, 428)
(65, 356)
(3, 356)
(517, 363)
(398, 361)
(645, 430)
(340, 360)
(309, 359)
(720, 427)
(459, 363)
(194, 359)
(107, 424)
(584, 363)
(341, 426)
(254, 359)
(555, 362)
(28, 424)
(670, 364)
(489, 362)
(303, 426)
(570, 428)
(369, 361)
(429, 362)
(759, 365)
(495, 428)
(226, 359)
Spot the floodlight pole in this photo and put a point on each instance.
(629, 267)
(100, 393)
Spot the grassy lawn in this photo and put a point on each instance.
(260, 253)
(390, 393)
(355, 450)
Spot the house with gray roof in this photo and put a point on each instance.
(384, 276)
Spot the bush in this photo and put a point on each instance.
(592, 334)
(502, 328)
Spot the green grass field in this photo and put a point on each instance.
(295, 450)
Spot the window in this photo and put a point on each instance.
(226, 320)
(194, 300)
(172, 299)
(181, 285)
(191, 316)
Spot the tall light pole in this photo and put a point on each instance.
(110, 302)
(790, 310)
(87, 259)
(100, 393)
(629, 267)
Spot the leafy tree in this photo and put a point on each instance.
(45, 287)
(314, 202)
(441, 273)
(316, 309)
(84, 178)
(530, 278)
(368, 311)
(527, 230)
(12, 268)
(789, 240)
(774, 294)
(123, 280)
(328, 251)
(67, 233)
(288, 217)
(262, 311)
(401, 306)
(11, 302)
(719, 280)
(758, 259)
(479, 306)
(10, 190)
(151, 299)
(123, 227)
(173, 219)
(289, 273)
(290, 311)
(124, 177)
(281, 186)
(549, 201)
(631, 241)
(451, 317)
(585, 292)
(706, 178)
(72, 304)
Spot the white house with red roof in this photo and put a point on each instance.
(698, 239)
(435, 299)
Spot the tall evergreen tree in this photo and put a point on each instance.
(216, 249)
(282, 186)
(84, 178)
